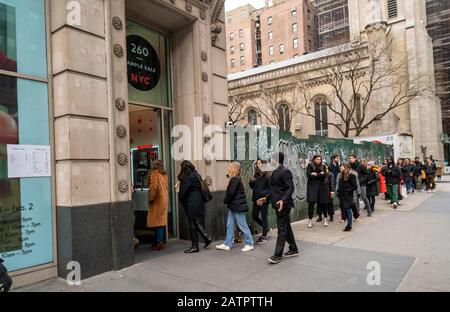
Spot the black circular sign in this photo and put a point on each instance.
(144, 69)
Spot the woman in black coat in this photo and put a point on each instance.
(236, 201)
(345, 190)
(317, 190)
(191, 198)
(372, 184)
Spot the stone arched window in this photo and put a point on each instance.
(284, 117)
(321, 115)
(252, 117)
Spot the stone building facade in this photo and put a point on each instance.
(402, 32)
(115, 77)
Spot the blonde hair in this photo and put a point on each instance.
(234, 169)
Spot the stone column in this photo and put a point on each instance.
(94, 215)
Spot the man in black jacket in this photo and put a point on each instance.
(335, 166)
(260, 184)
(282, 188)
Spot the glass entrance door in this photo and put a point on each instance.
(150, 97)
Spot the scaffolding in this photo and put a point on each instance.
(438, 24)
(334, 25)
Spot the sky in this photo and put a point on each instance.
(233, 4)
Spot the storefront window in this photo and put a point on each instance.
(22, 37)
(148, 66)
(26, 229)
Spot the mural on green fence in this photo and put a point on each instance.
(298, 153)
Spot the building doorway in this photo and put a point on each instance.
(151, 119)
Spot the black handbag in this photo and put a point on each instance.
(5, 280)
(207, 196)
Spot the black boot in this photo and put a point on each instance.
(203, 234)
(194, 238)
(193, 249)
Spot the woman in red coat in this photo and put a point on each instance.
(383, 187)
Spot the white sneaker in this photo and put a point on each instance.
(325, 222)
(310, 224)
(247, 248)
(223, 247)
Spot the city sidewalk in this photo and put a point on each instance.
(410, 244)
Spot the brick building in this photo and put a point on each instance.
(279, 31)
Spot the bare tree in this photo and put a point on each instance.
(236, 109)
(278, 104)
(356, 73)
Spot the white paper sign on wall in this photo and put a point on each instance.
(29, 161)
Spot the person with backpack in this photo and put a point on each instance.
(236, 200)
(260, 184)
(193, 202)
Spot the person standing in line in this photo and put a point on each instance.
(440, 170)
(330, 181)
(392, 174)
(372, 184)
(334, 171)
(354, 165)
(345, 191)
(317, 190)
(280, 196)
(335, 165)
(418, 166)
(260, 184)
(363, 175)
(191, 198)
(409, 175)
(383, 186)
(430, 171)
(383, 180)
(158, 203)
(402, 182)
(236, 200)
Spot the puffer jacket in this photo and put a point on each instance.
(236, 199)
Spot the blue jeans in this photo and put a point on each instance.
(409, 185)
(241, 219)
(349, 214)
(159, 232)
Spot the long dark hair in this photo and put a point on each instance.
(187, 168)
